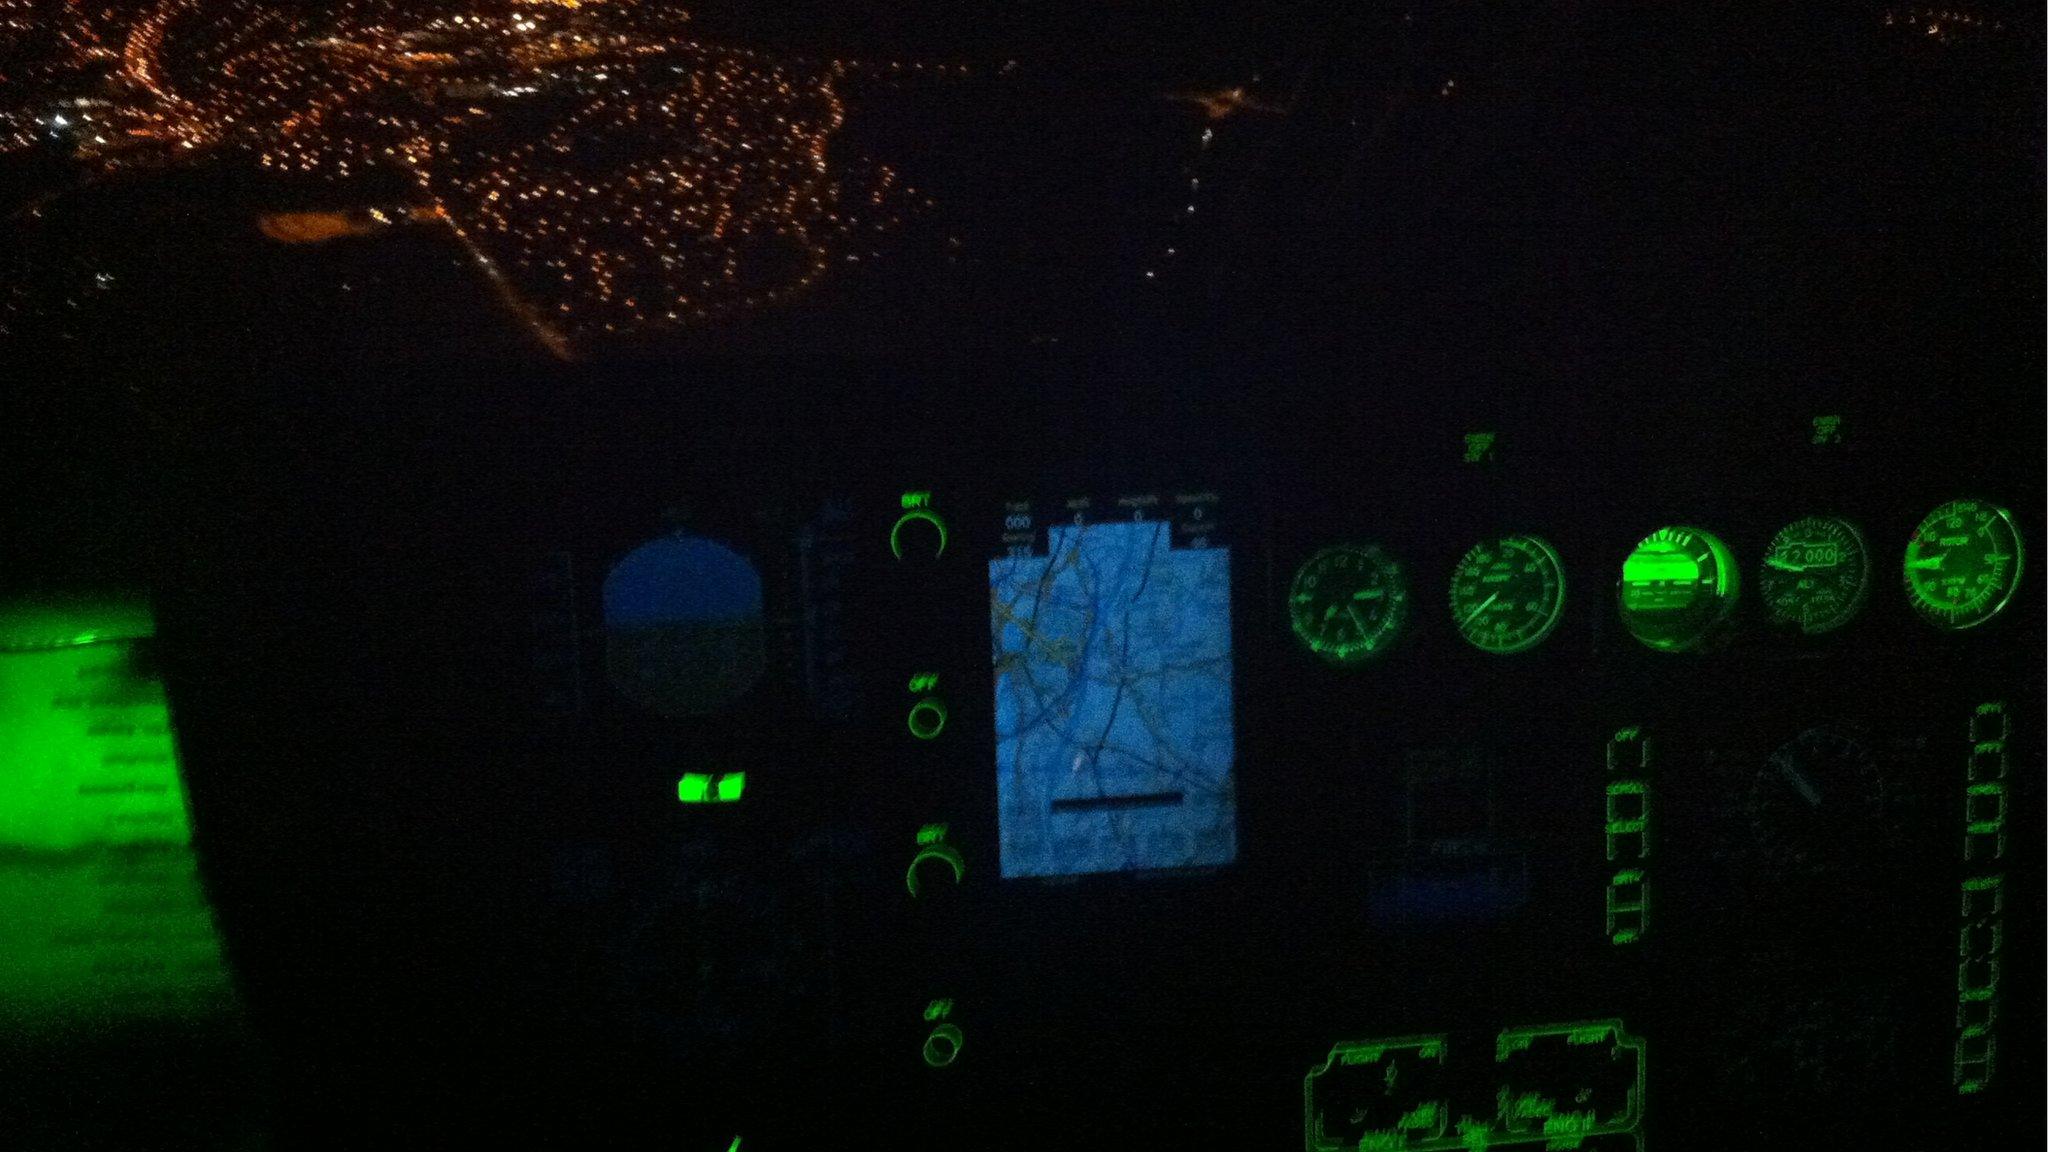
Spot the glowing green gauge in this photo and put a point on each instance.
(1507, 594)
(1677, 587)
(1348, 602)
(1963, 563)
(1816, 573)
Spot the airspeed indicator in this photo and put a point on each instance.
(1507, 594)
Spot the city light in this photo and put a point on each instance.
(605, 170)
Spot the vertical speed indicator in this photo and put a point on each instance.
(1507, 594)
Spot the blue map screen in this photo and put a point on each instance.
(1114, 739)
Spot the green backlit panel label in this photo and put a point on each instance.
(1557, 1086)
(99, 888)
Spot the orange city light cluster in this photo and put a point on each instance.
(605, 171)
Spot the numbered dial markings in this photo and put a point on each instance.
(1818, 802)
(1963, 563)
(1677, 588)
(1815, 574)
(1507, 594)
(1348, 602)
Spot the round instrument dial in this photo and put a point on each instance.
(1963, 563)
(1507, 594)
(1818, 802)
(1348, 602)
(1815, 574)
(1677, 588)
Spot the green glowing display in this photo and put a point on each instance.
(711, 788)
(1554, 1087)
(1507, 594)
(1981, 938)
(1815, 575)
(927, 718)
(69, 620)
(1677, 587)
(1348, 602)
(105, 917)
(1963, 563)
(1628, 905)
(1628, 836)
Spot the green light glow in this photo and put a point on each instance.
(942, 1047)
(1365, 1093)
(1677, 587)
(1964, 563)
(106, 919)
(69, 620)
(1478, 447)
(1348, 602)
(927, 718)
(1628, 814)
(942, 852)
(711, 787)
(926, 515)
(1827, 429)
(1815, 574)
(1981, 935)
(1508, 594)
(1628, 906)
(1627, 830)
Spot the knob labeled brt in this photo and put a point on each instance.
(919, 531)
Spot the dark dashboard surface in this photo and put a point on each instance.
(1532, 641)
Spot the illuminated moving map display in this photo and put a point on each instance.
(1113, 721)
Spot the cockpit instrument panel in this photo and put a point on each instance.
(1017, 799)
